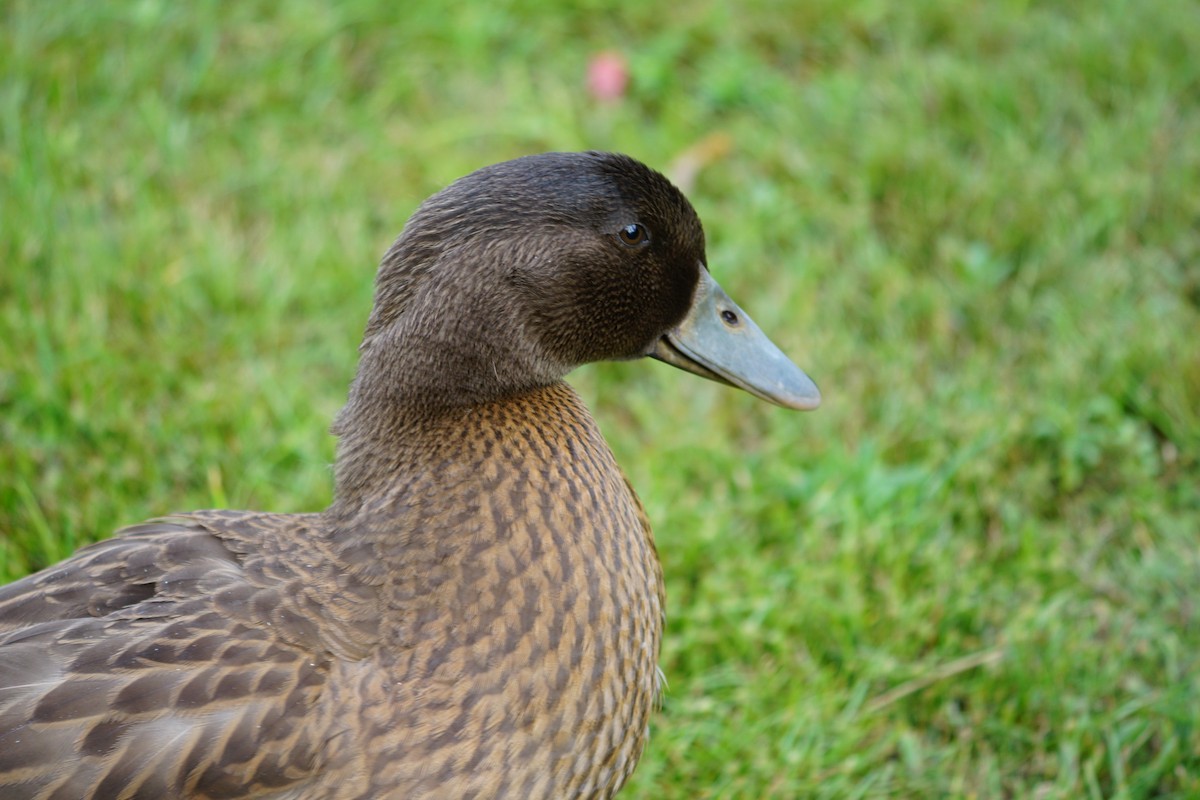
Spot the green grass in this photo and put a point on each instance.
(975, 572)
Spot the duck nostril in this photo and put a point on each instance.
(730, 318)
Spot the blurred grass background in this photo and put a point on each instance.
(975, 572)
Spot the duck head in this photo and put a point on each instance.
(518, 273)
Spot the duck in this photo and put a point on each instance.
(478, 612)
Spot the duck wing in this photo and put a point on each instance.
(190, 656)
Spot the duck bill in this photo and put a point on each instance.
(719, 341)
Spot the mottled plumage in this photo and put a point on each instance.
(477, 614)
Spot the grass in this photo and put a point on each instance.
(975, 572)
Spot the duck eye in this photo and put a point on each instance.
(633, 235)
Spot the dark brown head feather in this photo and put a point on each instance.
(514, 275)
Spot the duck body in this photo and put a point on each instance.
(479, 611)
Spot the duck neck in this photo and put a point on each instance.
(433, 482)
(389, 440)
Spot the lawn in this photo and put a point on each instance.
(974, 572)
